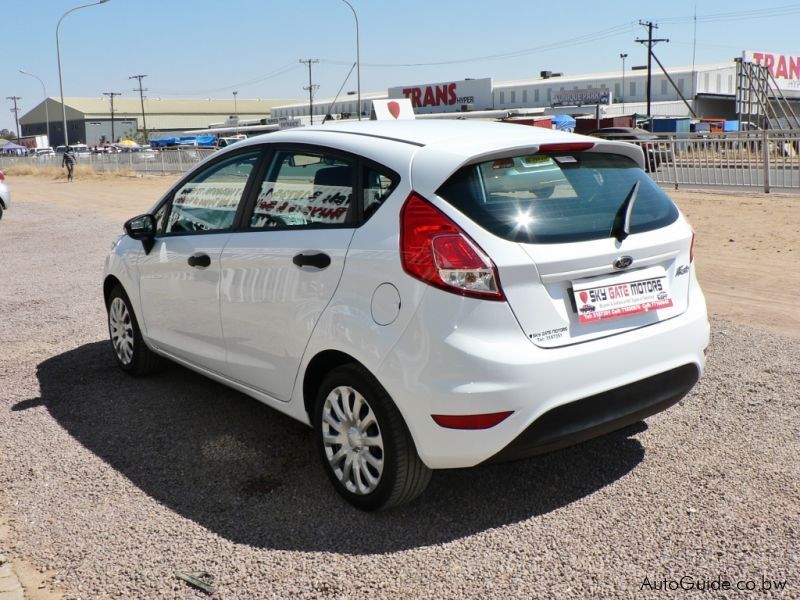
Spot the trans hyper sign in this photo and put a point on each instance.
(447, 96)
(785, 68)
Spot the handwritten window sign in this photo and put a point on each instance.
(304, 190)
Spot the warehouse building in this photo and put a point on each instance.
(89, 120)
(710, 91)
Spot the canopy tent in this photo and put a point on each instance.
(12, 148)
(563, 122)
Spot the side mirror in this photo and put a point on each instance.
(142, 228)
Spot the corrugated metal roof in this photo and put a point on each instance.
(96, 108)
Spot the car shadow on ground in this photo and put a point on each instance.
(252, 475)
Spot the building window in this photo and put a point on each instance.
(730, 84)
(617, 90)
(706, 80)
(719, 83)
(536, 95)
(680, 85)
(524, 96)
(502, 97)
(513, 97)
(663, 87)
(632, 89)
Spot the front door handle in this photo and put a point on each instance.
(319, 260)
(199, 260)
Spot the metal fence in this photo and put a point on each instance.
(169, 160)
(762, 159)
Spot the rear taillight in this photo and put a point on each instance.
(436, 251)
(2, 177)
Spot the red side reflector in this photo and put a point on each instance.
(567, 147)
(484, 421)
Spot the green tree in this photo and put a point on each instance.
(7, 135)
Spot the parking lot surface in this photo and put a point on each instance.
(112, 484)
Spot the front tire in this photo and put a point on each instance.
(365, 446)
(132, 354)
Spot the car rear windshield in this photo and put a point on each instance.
(557, 198)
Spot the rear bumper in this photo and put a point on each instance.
(470, 359)
(601, 414)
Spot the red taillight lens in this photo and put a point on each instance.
(568, 147)
(2, 176)
(436, 251)
(484, 421)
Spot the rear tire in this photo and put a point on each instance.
(364, 444)
(132, 354)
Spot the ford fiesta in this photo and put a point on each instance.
(424, 294)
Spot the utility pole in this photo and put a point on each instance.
(141, 91)
(311, 87)
(111, 95)
(650, 41)
(15, 110)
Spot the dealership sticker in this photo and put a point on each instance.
(620, 296)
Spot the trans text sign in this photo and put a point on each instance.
(785, 68)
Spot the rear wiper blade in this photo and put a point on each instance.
(622, 220)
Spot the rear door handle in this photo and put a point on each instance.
(199, 260)
(319, 260)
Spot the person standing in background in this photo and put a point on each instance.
(69, 161)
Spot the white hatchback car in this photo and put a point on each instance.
(426, 295)
(5, 194)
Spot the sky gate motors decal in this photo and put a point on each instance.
(610, 301)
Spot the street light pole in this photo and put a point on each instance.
(58, 56)
(358, 59)
(46, 111)
(623, 56)
(235, 106)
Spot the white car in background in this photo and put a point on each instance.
(409, 291)
(5, 194)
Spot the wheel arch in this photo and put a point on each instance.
(319, 366)
(109, 284)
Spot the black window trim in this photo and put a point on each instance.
(355, 216)
(252, 187)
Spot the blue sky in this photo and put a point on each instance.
(205, 48)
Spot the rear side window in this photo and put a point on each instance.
(557, 198)
(304, 190)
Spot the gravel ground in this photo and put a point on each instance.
(115, 483)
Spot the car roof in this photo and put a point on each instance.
(438, 147)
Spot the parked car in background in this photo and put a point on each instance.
(417, 293)
(5, 194)
(47, 151)
(649, 142)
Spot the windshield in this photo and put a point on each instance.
(557, 198)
